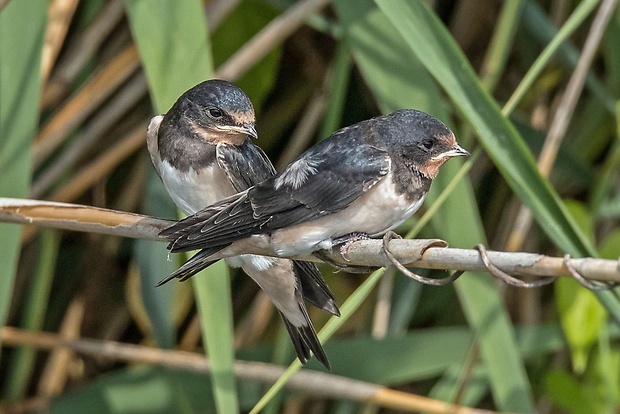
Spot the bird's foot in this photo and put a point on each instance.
(346, 241)
(324, 256)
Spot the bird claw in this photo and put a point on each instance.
(346, 241)
(324, 256)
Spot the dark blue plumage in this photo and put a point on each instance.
(367, 178)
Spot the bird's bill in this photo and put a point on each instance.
(455, 151)
(247, 129)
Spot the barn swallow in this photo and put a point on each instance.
(360, 182)
(203, 152)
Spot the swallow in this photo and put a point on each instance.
(203, 152)
(361, 182)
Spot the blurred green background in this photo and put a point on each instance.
(79, 81)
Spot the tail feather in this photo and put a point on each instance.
(195, 264)
(313, 287)
(305, 340)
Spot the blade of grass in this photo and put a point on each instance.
(541, 27)
(584, 9)
(173, 43)
(22, 25)
(33, 314)
(337, 90)
(497, 54)
(215, 308)
(428, 38)
(154, 264)
(346, 310)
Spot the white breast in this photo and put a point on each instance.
(193, 190)
(381, 209)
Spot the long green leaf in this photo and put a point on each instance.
(154, 264)
(542, 28)
(583, 11)
(174, 47)
(399, 80)
(212, 288)
(432, 43)
(34, 312)
(22, 25)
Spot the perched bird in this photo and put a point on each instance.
(203, 152)
(360, 182)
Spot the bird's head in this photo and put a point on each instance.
(216, 110)
(427, 141)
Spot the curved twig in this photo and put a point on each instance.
(585, 282)
(419, 278)
(423, 253)
(505, 277)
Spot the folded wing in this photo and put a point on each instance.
(324, 180)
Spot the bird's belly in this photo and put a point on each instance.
(193, 190)
(277, 278)
(374, 213)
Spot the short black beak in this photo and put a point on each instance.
(247, 129)
(455, 151)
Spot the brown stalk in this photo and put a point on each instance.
(272, 35)
(307, 381)
(59, 15)
(80, 51)
(100, 86)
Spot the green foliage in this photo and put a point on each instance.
(174, 47)
(245, 21)
(495, 81)
(22, 25)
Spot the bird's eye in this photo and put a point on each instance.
(215, 112)
(427, 143)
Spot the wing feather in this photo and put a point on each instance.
(329, 186)
(245, 165)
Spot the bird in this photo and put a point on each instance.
(203, 152)
(361, 182)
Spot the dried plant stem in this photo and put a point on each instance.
(431, 254)
(102, 165)
(86, 100)
(96, 170)
(311, 382)
(79, 52)
(118, 106)
(273, 34)
(80, 218)
(60, 13)
(56, 371)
